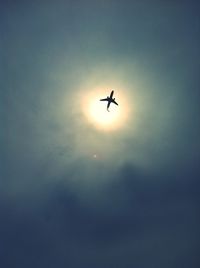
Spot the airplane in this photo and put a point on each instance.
(110, 99)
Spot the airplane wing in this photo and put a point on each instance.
(104, 99)
(115, 102)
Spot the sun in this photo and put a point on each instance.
(100, 115)
(96, 112)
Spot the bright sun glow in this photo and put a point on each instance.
(97, 114)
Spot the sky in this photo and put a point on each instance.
(75, 192)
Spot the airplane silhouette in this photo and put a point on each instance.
(110, 99)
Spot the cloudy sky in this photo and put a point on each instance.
(81, 187)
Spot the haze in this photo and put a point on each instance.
(75, 192)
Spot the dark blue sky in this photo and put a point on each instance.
(137, 205)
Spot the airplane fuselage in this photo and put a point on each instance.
(111, 94)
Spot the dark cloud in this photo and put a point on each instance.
(137, 204)
(142, 216)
